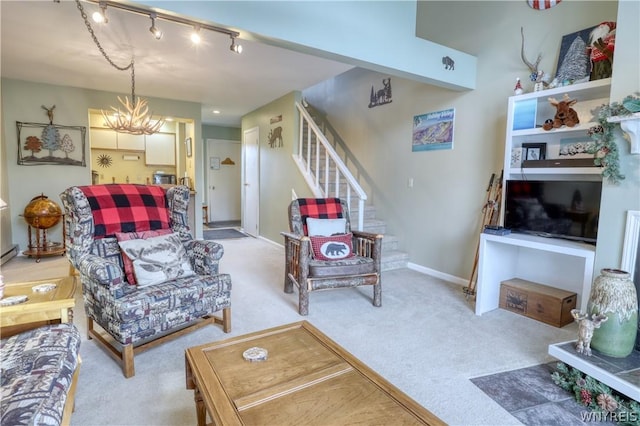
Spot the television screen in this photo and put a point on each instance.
(560, 209)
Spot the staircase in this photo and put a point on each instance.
(322, 159)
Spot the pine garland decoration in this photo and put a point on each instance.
(605, 147)
(597, 396)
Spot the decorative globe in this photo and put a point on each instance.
(42, 213)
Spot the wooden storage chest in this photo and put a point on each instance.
(543, 303)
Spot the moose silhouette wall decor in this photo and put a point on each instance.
(275, 137)
(381, 96)
(38, 143)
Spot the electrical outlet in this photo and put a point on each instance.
(410, 183)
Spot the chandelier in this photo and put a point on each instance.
(134, 118)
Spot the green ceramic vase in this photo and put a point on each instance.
(613, 294)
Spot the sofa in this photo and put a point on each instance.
(40, 370)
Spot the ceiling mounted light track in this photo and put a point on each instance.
(103, 4)
(100, 17)
(157, 33)
(135, 119)
(235, 47)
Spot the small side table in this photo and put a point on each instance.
(41, 247)
(53, 306)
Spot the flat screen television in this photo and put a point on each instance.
(557, 209)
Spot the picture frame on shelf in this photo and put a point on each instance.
(516, 157)
(533, 151)
(573, 64)
(188, 145)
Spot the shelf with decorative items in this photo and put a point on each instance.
(563, 149)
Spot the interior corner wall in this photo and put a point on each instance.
(6, 238)
(278, 173)
(618, 199)
(437, 221)
(21, 101)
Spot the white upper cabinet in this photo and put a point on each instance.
(160, 149)
(130, 142)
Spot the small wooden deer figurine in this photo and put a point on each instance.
(586, 326)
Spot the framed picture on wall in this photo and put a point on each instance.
(214, 163)
(188, 146)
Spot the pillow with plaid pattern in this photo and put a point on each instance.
(335, 247)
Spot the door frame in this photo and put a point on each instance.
(256, 187)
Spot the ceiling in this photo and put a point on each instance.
(48, 42)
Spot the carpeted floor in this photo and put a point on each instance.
(530, 395)
(222, 234)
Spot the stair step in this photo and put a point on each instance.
(389, 243)
(394, 260)
(375, 226)
(369, 211)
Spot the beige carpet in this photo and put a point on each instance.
(425, 339)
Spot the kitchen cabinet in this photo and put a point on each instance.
(109, 139)
(129, 142)
(160, 149)
(103, 139)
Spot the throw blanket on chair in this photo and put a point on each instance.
(319, 208)
(126, 208)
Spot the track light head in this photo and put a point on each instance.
(157, 33)
(195, 35)
(100, 17)
(235, 47)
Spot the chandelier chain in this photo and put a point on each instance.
(113, 64)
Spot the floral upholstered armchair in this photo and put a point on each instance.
(143, 275)
(323, 252)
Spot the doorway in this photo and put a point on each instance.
(251, 181)
(224, 177)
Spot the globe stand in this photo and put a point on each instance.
(42, 214)
(41, 247)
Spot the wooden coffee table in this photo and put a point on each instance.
(306, 379)
(51, 306)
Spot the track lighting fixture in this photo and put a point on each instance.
(235, 47)
(153, 29)
(100, 17)
(195, 35)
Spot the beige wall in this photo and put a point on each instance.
(278, 173)
(438, 219)
(21, 101)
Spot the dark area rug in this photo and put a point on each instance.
(223, 234)
(530, 396)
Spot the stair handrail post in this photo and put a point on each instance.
(341, 168)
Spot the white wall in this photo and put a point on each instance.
(21, 101)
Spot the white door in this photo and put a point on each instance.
(224, 180)
(251, 181)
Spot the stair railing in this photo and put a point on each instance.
(323, 169)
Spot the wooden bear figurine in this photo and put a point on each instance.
(565, 115)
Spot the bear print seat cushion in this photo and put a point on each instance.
(334, 247)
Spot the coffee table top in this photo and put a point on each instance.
(60, 297)
(306, 379)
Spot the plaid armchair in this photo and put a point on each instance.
(98, 219)
(306, 262)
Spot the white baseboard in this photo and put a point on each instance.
(270, 242)
(438, 274)
(9, 254)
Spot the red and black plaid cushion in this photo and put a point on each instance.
(319, 208)
(126, 208)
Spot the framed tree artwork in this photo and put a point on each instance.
(40, 144)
